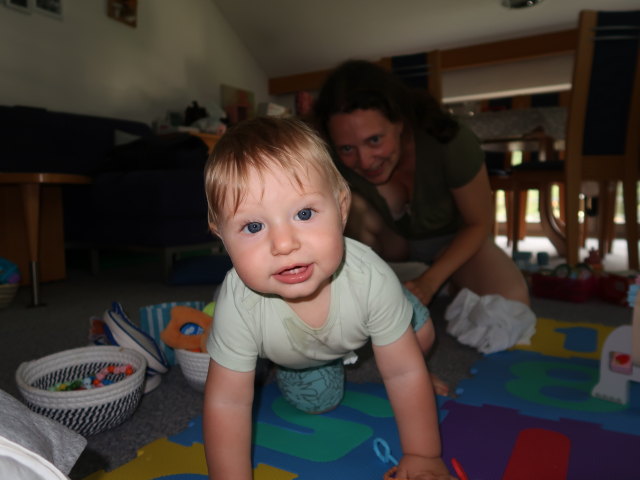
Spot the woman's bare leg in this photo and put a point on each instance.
(491, 271)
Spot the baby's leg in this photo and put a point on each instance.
(313, 390)
(426, 335)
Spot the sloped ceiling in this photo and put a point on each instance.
(295, 36)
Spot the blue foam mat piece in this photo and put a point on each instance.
(364, 415)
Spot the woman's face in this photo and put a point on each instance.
(367, 142)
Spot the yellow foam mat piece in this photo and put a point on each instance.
(550, 339)
(163, 457)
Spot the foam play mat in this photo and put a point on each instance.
(525, 414)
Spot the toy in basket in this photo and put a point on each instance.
(194, 366)
(187, 333)
(576, 284)
(88, 411)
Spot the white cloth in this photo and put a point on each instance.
(18, 463)
(490, 323)
(44, 437)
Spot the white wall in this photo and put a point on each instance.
(89, 63)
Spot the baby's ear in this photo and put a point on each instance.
(214, 229)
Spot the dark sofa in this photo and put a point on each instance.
(147, 190)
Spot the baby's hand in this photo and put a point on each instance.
(415, 467)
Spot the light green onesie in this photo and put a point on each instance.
(367, 301)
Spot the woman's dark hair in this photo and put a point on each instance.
(358, 84)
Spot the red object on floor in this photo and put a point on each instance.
(537, 454)
(558, 288)
(614, 288)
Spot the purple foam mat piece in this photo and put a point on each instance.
(482, 439)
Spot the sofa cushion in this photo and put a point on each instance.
(38, 140)
(179, 151)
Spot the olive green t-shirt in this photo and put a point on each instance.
(440, 167)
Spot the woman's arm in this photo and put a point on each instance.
(474, 203)
(228, 400)
(409, 388)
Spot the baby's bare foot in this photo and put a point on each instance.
(439, 386)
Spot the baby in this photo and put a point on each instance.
(305, 297)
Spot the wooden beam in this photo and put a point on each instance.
(523, 48)
(513, 50)
(307, 81)
(297, 83)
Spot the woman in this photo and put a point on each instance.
(421, 190)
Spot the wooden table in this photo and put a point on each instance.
(547, 148)
(30, 186)
(535, 141)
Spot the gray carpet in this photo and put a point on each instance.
(30, 333)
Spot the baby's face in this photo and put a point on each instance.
(283, 239)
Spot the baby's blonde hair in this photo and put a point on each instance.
(265, 144)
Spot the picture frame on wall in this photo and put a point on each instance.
(125, 11)
(239, 104)
(23, 6)
(51, 8)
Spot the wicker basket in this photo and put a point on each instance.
(194, 366)
(7, 293)
(86, 411)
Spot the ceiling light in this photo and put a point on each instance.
(519, 3)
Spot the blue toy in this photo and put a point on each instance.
(9, 272)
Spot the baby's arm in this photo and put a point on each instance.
(407, 382)
(228, 401)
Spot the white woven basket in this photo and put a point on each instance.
(86, 411)
(7, 293)
(194, 366)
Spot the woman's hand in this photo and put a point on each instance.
(423, 288)
(474, 203)
(416, 467)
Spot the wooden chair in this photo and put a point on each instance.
(603, 124)
(499, 166)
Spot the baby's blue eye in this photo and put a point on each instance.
(253, 227)
(305, 214)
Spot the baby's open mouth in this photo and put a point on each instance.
(295, 274)
(293, 270)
